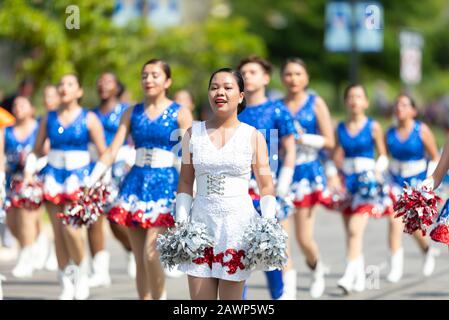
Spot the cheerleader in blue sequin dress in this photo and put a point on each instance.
(110, 112)
(407, 143)
(308, 188)
(19, 141)
(146, 199)
(358, 138)
(275, 122)
(69, 130)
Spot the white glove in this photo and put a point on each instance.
(315, 141)
(428, 183)
(268, 207)
(382, 164)
(431, 166)
(284, 181)
(183, 206)
(41, 163)
(98, 171)
(330, 168)
(31, 164)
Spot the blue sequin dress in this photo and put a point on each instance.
(147, 194)
(366, 194)
(16, 152)
(274, 121)
(126, 154)
(408, 163)
(309, 180)
(68, 164)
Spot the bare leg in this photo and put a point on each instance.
(422, 241)
(394, 234)
(62, 253)
(230, 290)
(355, 225)
(304, 225)
(74, 243)
(26, 227)
(286, 225)
(121, 234)
(95, 236)
(137, 239)
(204, 288)
(153, 266)
(11, 222)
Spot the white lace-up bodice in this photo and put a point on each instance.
(231, 160)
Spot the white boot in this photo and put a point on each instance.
(65, 278)
(52, 262)
(40, 251)
(131, 267)
(100, 265)
(318, 283)
(396, 266)
(24, 266)
(347, 281)
(81, 280)
(2, 278)
(360, 275)
(429, 261)
(289, 278)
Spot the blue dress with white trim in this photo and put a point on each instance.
(147, 194)
(62, 182)
(309, 180)
(366, 193)
(126, 154)
(410, 150)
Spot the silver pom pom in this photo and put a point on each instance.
(267, 243)
(184, 243)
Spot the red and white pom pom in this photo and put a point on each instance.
(441, 232)
(417, 207)
(88, 208)
(28, 196)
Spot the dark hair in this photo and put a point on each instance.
(238, 77)
(409, 97)
(354, 85)
(164, 65)
(266, 66)
(293, 60)
(121, 89)
(25, 81)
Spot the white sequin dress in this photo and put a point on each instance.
(225, 207)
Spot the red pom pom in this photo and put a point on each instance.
(87, 208)
(28, 196)
(417, 207)
(440, 234)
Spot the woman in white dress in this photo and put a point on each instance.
(219, 154)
